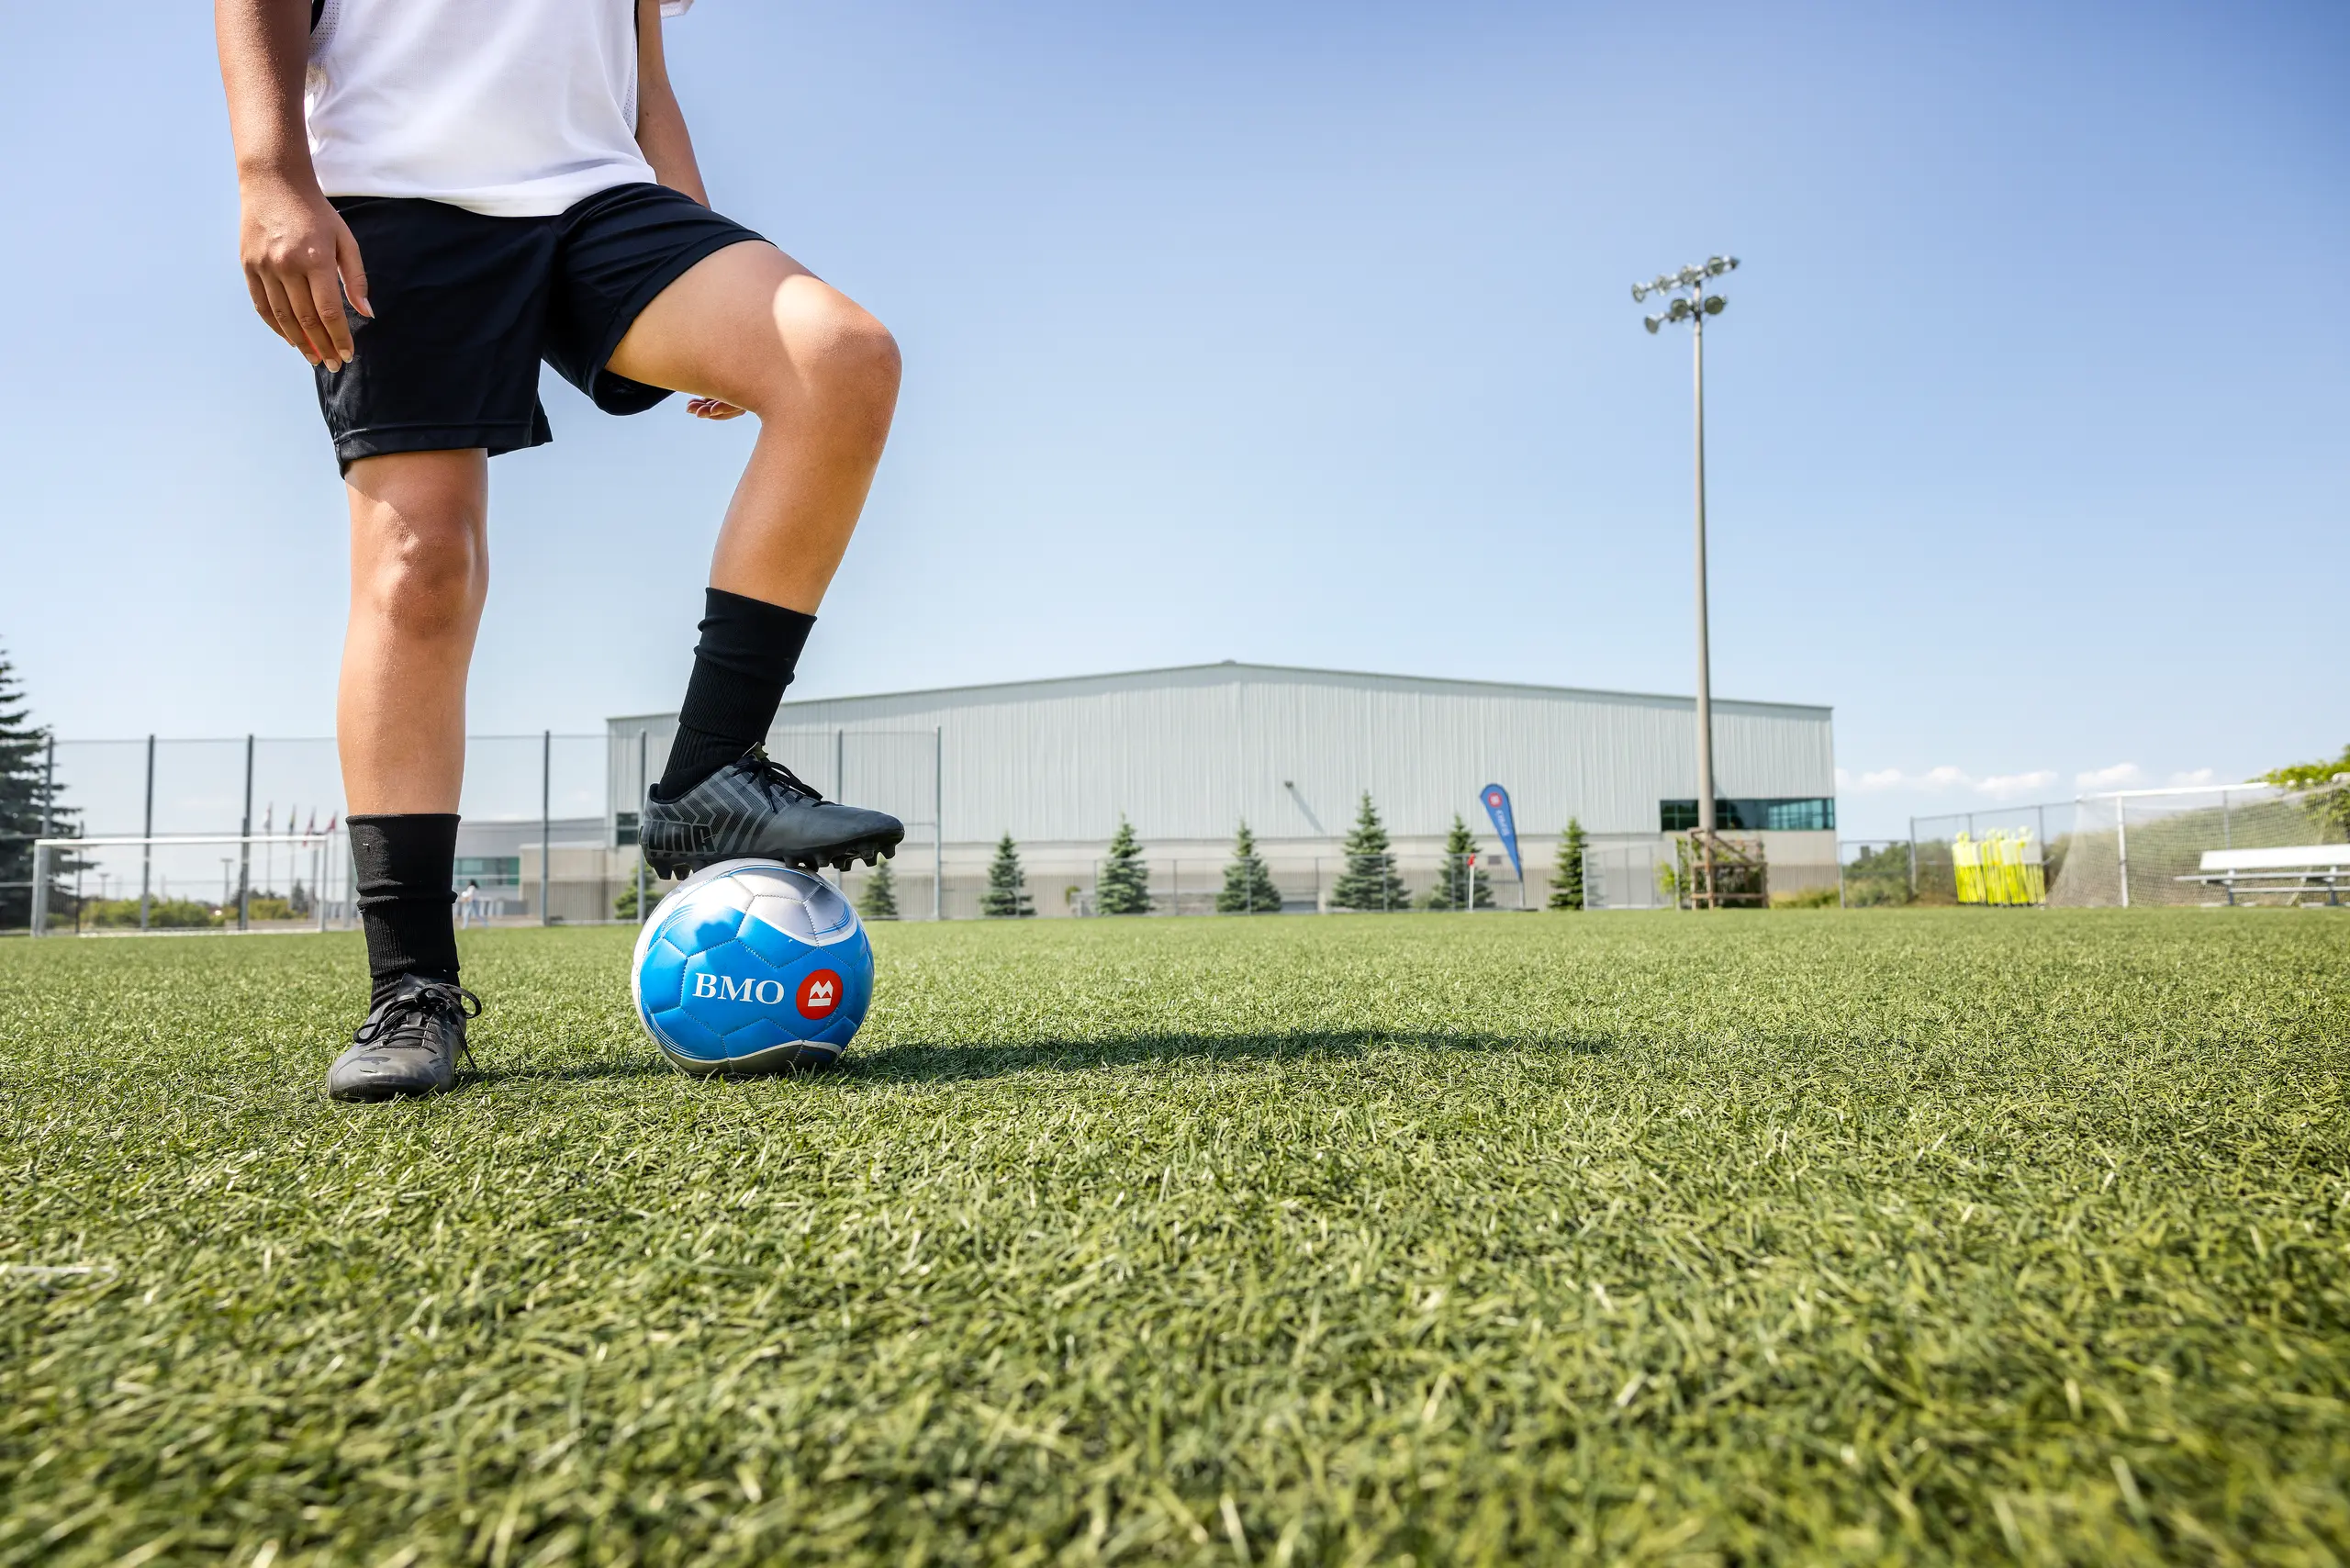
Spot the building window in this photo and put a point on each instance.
(1786, 814)
(492, 869)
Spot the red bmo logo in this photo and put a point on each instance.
(819, 994)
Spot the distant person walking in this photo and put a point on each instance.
(469, 904)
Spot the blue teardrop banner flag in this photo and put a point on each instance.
(1497, 807)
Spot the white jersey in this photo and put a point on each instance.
(516, 108)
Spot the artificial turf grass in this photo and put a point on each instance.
(1929, 1236)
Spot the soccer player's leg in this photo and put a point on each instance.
(444, 376)
(748, 328)
(419, 572)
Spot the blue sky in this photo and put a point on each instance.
(1300, 333)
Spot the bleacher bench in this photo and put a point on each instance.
(2305, 869)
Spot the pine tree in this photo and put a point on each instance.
(1247, 885)
(1459, 873)
(1124, 886)
(1566, 881)
(1371, 880)
(23, 772)
(878, 900)
(1007, 895)
(624, 902)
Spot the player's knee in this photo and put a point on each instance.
(431, 583)
(418, 526)
(849, 364)
(429, 577)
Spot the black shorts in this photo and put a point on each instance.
(466, 306)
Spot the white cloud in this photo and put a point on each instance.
(2120, 776)
(2007, 786)
(2199, 775)
(1947, 779)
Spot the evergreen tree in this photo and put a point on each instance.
(1371, 880)
(1124, 886)
(624, 902)
(1007, 895)
(1247, 885)
(1566, 881)
(1460, 877)
(878, 900)
(24, 748)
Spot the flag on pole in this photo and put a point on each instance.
(1506, 824)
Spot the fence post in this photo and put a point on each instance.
(2121, 844)
(546, 820)
(938, 824)
(643, 754)
(1913, 859)
(245, 848)
(39, 910)
(147, 850)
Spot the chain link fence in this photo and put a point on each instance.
(245, 833)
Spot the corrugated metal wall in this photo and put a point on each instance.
(1186, 753)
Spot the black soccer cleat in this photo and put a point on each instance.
(409, 1045)
(757, 809)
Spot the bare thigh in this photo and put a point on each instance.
(755, 327)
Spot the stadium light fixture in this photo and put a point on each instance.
(1692, 304)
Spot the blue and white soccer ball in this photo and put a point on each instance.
(751, 966)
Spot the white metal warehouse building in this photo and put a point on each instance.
(1188, 754)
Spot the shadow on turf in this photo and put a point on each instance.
(916, 1062)
(929, 1063)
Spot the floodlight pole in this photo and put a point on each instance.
(1691, 302)
(1705, 823)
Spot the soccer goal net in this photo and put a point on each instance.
(2140, 847)
(298, 881)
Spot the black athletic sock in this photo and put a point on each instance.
(749, 649)
(406, 864)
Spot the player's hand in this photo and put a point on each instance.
(301, 262)
(714, 408)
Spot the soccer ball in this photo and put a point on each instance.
(751, 966)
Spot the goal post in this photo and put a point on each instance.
(297, 881)
(2130, 848)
